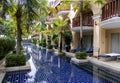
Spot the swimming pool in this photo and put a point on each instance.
(47, 67)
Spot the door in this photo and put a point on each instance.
(115, 43)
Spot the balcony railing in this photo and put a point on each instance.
(87, 20)
(112, 9)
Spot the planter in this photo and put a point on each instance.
(79, 61)
(60, 53)
(49, 49)
(43, 47)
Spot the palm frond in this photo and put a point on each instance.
(102, 2)
(86, 5)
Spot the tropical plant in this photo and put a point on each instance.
(50, 46)
(35, 40)
(55, 38)
(84, 6)
(81, 55)
(24, 12)
(59, 25)
(6, 45)
(44, 44)
(7, 27)
(67, 36)
(13, 60)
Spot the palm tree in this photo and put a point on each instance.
(25, 12)
(84, 5)
(59, 25)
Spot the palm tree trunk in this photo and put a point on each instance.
(19, 30)
(18, 39)
(81, 24)
(61, 41)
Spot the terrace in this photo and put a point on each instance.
(87, 23)
(111, 15)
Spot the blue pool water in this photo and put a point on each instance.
(47, 67)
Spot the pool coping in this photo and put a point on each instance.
(97, 63)
(92, 60)
(4, 69)
(104, 65)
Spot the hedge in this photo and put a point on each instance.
(15, 60)
(6, 45)
(81, 55)
(50, 46)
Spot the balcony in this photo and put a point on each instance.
(63, 9)
(87, 23)
(111, 15)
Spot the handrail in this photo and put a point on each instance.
(111, 9)
(87, 20)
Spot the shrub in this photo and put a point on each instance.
(44, 44)
(15, 60)
(49, 39)
(50, 46)
(55, 38)
(81, 55)
(6, 45)
(36, 40)
(40, 44)
(43, 40)
(67, 36)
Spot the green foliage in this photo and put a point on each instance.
(44, 44)
(40, 44)
(59, 23)
(29, 12)
(48, 40)
(43, 40)
(36, 40)
(6, 45)
(50, 46)
(55, 38)
(101, 2)
(86, 5)
(7, 27)
(15, 60)
(80, 55)
(67, 35)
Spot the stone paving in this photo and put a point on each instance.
(113, 65)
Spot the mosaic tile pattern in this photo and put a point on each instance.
(47, 67)
(16, 77)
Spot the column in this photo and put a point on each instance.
(99, 36)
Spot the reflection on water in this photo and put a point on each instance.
(47, 67)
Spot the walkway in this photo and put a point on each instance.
(112, 65)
